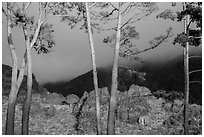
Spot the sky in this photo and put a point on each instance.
(71, 55)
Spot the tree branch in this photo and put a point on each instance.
(124, 40)
(18, 5)
(27, 6)
(37, 30)
(195, 57)
(113, 6)
(189, 24)
(133, 71)
(195, 82)
(114, 28)
(194, 71)
(92, 5)
(156, 45)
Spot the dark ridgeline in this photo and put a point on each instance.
(6, 80)
(167, 76)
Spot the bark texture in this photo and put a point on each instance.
(12, 96)
(95, 78)
(113, 99)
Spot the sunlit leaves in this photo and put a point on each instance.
(19, 18)
(45, 40)
(195, 37)
(161, 38)
(167, 14)
(181, 39)
(194, 10)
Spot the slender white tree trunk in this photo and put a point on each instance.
(186, 76)
(113, 98)
(12, 96)
(27, 101)
(95, 79)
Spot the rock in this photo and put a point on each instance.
(47, 116)
(72, 99)
(168, 106)
(137, 104)
(178, 103)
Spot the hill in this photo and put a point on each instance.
(6, 80)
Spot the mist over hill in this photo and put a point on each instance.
(167, 76)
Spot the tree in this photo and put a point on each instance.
(94, 69)
(113, 97)
(83, 15)
(41, 40)
(103, 16)
(12, 95)
(192, 13)
(124, 47)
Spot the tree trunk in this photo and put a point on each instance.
(113, 98)
(12, 96)
(95, 79)
(27, 101)
(186, 76)
(21, 74)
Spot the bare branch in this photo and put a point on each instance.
(6, 14)
(37, 30)
(128, 20)
(195, 82)
(27, 6)
(109, 13)
(194, 71)
(195, 57)
(124, 40)
(113, 28)
(17, 5)
(92, 5)
(133, 71)
(113, 6)
(150, 48)
(189, 24)
(195, 37)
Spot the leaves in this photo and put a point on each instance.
(167, 14)
(195, 12)
(45, 40)
(194, 38)
(181, 39)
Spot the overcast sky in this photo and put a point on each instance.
(71, 56)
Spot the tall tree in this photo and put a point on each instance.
(81, 14)
(186, 75)
(113, 97)
(41, 40)
(103, 19)
(95, 79)
(12, 95)
(191, 13)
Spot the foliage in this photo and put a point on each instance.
(45, 40)
(19, 18)
(194, 10)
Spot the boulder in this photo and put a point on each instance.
(135, 105)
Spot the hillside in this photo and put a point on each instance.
(84, 82)
(170, 77)
(6, 80)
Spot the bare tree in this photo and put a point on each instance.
(192, 12)
(95, 79)
(41, 41)
(113, 97)
(12, 95)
